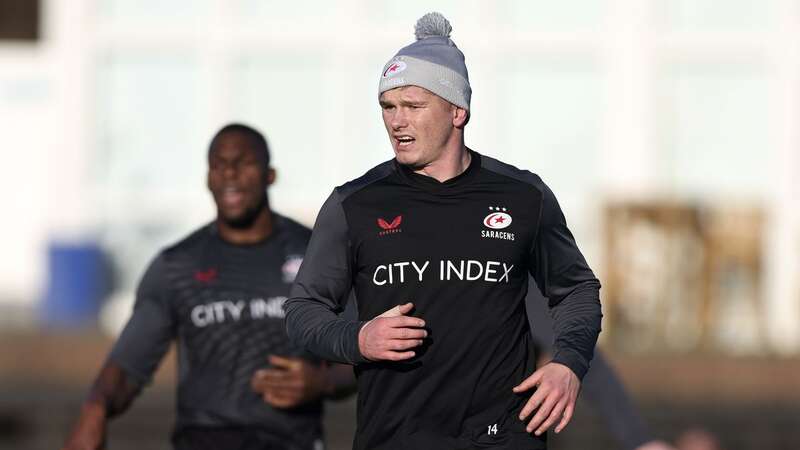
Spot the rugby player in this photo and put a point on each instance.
(438, 244)
(219, 293)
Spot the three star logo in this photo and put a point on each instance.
(498, 218)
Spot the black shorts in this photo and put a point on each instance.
(241, 438)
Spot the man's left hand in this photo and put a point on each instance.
(557, 389)
(290, 382)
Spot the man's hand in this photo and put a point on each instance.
(89, 433)
(655, 445)
(557, 389)
(392, 335)
(290, 382)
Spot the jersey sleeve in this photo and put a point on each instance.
(321, 290)
(564, 277)
(148, 333)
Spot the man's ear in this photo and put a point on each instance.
(270, 176)
(460, 117)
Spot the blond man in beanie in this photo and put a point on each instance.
(438, 244)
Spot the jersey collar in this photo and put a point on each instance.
(431, 184)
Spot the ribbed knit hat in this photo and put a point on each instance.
(432, 62)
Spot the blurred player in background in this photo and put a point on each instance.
(601, 389)
(219, 293)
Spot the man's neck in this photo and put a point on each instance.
(450, 165)
(259, 230)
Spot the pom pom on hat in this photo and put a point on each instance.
(432, 24)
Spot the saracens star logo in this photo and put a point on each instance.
(497, 219)
(394, 68)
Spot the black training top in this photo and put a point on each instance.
(461, 251)
(224, 305)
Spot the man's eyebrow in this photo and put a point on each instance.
(401, 102)
(413, 102)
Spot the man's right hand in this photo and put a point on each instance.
(89, 433)
(392, 335)
(655, 445)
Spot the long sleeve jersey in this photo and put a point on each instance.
(461, 251)
(222, 303)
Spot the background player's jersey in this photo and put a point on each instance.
(462, 252)
(224, 305)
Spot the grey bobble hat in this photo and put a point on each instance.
(432, 62)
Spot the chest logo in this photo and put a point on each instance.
(291, 267)
(390, 227)
(206, 276)
(497, 219)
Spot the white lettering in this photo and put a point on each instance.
(257, 308)
(449, 270)
(507, 270)
(402, 266)
(275, 307)
(219, 311)
(458, 271)
(260, 308)
(236, 309)
(470, 265)
(375, 276)
(420, 270)
(200, 316)
(497, 235)
(489, 270)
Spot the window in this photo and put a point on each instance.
(19, 20)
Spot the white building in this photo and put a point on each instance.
(106, 119)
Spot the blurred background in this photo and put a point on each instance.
(668, 129)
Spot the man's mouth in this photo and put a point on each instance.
(404, 140)
(231, 196)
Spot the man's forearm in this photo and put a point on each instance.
(341, 382)
(576, 324)
(314, 327)
(112, 392)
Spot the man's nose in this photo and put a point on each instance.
(399, 119)
(230, 171)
